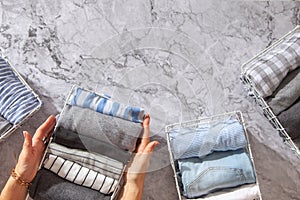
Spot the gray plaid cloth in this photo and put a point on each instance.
(269, 68)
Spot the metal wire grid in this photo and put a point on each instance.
(16, 126)
(207, 120)
(267, 111)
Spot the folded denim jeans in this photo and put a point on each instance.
(103, 104)
(216, 171)
(290, 120)
(190, 142)
(48, 186)
(4, 125)
(287, 92)
(97, 162)
(16, 100)
(80, 175)
(73, 140)
(118, 132)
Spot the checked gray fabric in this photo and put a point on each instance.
(269, 69)
(80, 175)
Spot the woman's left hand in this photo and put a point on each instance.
(33, 150)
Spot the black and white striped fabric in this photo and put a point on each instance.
(80, 175)
(16, 100)
(99, 163)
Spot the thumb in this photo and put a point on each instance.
(27, 141)
(150, 147)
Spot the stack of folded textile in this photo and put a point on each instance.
(213, 157)
(92, 144)
(17, 101)
(274, 76)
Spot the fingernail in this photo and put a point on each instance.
(24, 134)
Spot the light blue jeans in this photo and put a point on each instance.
(216, 171)
(203, 140)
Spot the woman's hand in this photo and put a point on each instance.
(33, 150)
(28, 162)
(135, 175)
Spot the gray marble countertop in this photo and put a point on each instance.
(180, 60)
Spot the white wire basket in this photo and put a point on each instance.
(266, 109)
(202, 121)
(116, 192)
(7, 133)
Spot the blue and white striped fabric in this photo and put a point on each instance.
(16, 100)
(103, 104)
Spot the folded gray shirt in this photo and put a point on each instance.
(48, 186)
(287, 92)
(73, 140)
(116, 131)
(290, 120)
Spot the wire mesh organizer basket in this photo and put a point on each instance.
(225, 193)
(90, 148)
(18, 101)
(256, 93)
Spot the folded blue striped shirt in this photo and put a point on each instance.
(103, 104)
(16, 100)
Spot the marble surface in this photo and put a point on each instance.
(180, 60)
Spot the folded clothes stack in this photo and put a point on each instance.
(212, 157)
(92, 144)
(285, 103)
(274, 75)
(17, 101)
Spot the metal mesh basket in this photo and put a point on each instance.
(31, 112)
(202, 121)
(253, 91)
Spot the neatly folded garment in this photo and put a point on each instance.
(16, 100)
(73, 140)
(4, 125)
(48, 186)
(216, 171)
(97, 162)
(116, 131)
(103, 104)
(80, 175)
(270, 68)
(290, 120)
(245, 192)
(204, 139)
(287, 92)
